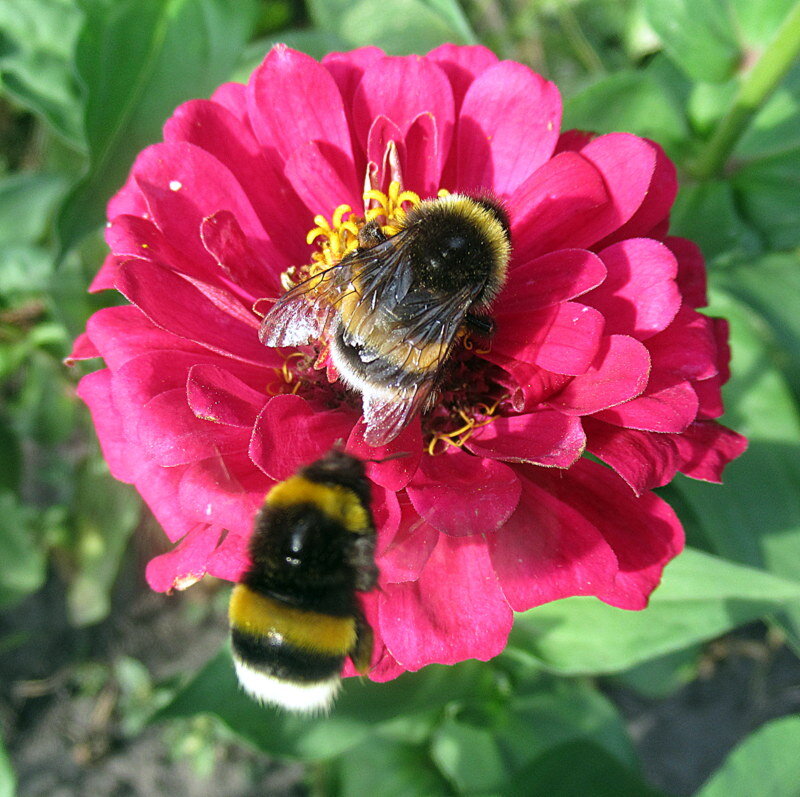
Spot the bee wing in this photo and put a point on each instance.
(305, 312)
(433, 326)
(298, 317)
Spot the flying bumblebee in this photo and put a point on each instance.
(392, 309)
(295, 615)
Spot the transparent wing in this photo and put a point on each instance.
(355, 285)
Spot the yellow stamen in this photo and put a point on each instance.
(458, 437)
(339, 236)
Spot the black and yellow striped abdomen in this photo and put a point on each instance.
(295, 616)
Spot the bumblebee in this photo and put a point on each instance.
(295, 615)
(392, 310)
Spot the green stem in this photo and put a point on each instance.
(756, 87)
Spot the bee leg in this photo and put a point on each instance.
(480, 325)
(360, 555)
(371, 235)
(361, 654)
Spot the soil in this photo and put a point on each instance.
(67, 738)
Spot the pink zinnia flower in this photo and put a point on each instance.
(599, 347)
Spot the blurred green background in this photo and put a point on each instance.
(107, 689)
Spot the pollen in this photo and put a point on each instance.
(337, 237)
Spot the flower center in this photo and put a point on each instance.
(471, 394)
(339, 236)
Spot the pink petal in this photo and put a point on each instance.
(128, 200)
(140, 238)
(639, 297)
(687, 349)
(462, 65)
(403, 555)
(401, 89)
(233, 98)
(185, 564)
(573, 140)
(290, 434)
(546, 438)
(422, 160)
(691, 270)
(548, 550)
(705, 449)
(643, 532)
(172, 435)
(106, 277)
(627, 164)
(124, 332)
(216, 395)
(560, 205)
(292, 99)
(213, 491)
(563, 339)
(225, 241)
(644, 459)
(620, 372)
(183, 185)
(95, 390)
(396, 473)
(82, 349)
(438, 488)
(505, 105)
(348, 68)
(180, 307)
(657, 201)
(142, 378)
(553, 278)
(216, 130)
(317, 173)
(383, 666)
(159, 487)
(454, 611)
(709, 396)
(665, 406)
(230, 559)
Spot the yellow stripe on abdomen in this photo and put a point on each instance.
(257, 615)
(337, 502)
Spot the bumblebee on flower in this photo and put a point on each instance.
(590, 342)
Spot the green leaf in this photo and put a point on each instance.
(481, 747)
(662, 676)
(390, 769)
(579, 768)
(700, 597)
(767, 191)
(27, 201)
(699, 35)
(22, 561)
(37, 44)
(707, 214)
(358, 710)
(766, 763)
(775, 129)
(755, 517)
(633, 101)
(398, 26)
(757, 20)
(764, 286)
(8, 786)
(138, 59)
(105, 514)
(312, 41)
